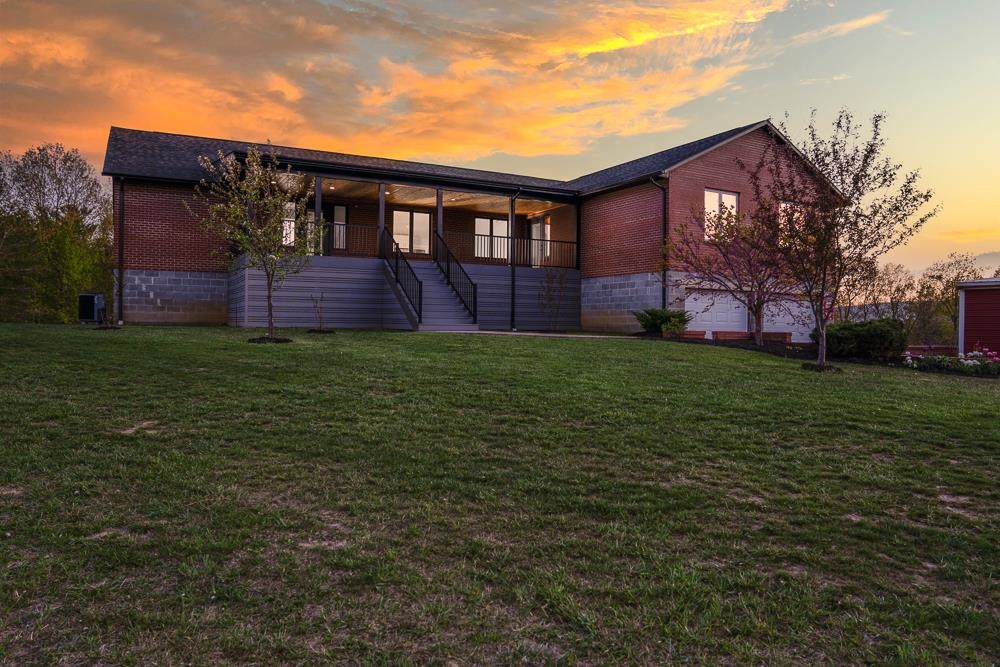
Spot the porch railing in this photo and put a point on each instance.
(338, 238)
(487, 249)
(404, 274)
(455, 274)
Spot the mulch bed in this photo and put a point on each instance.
(322, 331)
(269, 339)
(777, 348)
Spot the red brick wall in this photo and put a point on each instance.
(622, 229)
(982, 318)
(621, 232)
(716, 170)
(161, 234)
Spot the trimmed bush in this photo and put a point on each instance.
(882, 339)
(653, 320)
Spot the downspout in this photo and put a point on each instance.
(512, 226)
(663, 241)
(121, 251)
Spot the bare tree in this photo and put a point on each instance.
(261, 209)
(552, 294)
(894, 286)
(733, 253)
(939, 281)
(854, 302)
(48, 180)
(861, 207)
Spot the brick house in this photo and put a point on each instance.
(413, 245)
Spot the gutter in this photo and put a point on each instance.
(663, 238)
(512, 227)
(121, 251)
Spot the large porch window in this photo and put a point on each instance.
(412, 231)
(492, 238)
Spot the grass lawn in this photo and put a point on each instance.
(175, 495)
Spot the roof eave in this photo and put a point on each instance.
(417, 178)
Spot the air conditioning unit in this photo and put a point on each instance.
(91, 309)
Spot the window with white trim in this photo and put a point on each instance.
(492, 238)
(412, 231)
(541, 235)
(718, 202)
(288, 224)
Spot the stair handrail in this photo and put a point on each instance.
(457, 276)
(406, 277)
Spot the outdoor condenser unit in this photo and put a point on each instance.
(91, 308)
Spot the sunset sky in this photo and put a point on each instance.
(552, 89)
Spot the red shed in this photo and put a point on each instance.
(979, 314)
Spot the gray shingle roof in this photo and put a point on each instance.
(651, 165)
(159, 155)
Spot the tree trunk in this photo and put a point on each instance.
(821, 345)
(270, 309)
(758, 328)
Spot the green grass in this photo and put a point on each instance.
(177, 495)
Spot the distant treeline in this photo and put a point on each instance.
(55, 234)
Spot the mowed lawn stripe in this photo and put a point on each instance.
(176, 494)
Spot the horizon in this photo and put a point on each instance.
(554, 91)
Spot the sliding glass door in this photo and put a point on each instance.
(412, 231)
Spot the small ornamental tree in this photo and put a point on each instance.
(834, 224)
(735, 254)
(260, 209)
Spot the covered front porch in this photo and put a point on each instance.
(423, 256)
(349, 217)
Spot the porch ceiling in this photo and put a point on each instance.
(423, 197)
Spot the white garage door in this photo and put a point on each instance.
(792, 316)
(714, 311)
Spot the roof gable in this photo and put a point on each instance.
(656, 163)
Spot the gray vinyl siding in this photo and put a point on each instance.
(356, 294)
(494, 298)
(236, 298)
(353, 290)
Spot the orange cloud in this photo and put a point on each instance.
(535, 79)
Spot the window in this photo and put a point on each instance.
(492, 238)
(541, 234)
(412, 231)
(288, 225)
(788, 214)
(718, 202)
(339, 227)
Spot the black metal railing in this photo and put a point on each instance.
(405, 276)
(489, 249)
(338, 238)
(455, 274)
(543, 252)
